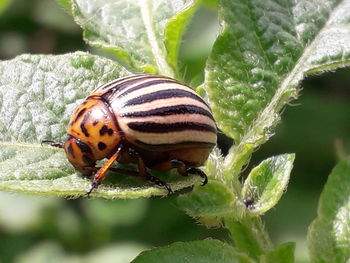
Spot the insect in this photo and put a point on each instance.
(249, 202)
(150, 120)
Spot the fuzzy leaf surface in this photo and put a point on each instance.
(144, 34)
(203, 251)
(257, 63)
(267, 182)
(329, 233)
(38, 94)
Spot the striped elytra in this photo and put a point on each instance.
(150, 120)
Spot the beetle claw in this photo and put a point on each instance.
(199, 172)
(94, 185)
(170, 191)
(160, 183)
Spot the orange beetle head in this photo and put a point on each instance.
(80, 156)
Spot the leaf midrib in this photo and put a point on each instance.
(24, 144)
(157, 52)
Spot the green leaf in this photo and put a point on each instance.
(329, 233)
(174, 31)
(143, 35)
(209, 201)
(267, 182)
(282, 254)
(204, 251)
(257, 63)
(37, 96)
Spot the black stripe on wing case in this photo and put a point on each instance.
(115, 82)
(124, 85)
(154, 127)
(168, 146)
(147, 84)
(169, 110)
(163, 94)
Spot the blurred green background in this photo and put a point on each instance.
(48, 229)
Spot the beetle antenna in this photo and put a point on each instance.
(53, 143)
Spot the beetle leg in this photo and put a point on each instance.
(102, 172)
(147, 176)
(53, 143)
(143, 172)
(184, 171)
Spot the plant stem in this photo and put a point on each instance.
(249, 235)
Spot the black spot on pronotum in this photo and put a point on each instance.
(70, 150)
(95, 122)
(80, 113)
(83, 146)
(82, 125)
(105, 130)
(101, 146)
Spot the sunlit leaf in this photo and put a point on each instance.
(266, 183)
(144, 35)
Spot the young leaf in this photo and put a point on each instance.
(266, 183)
(38, 94)
(203, 251)
(329, 233)
(142, 34)
(212, 200)
(282, 254)
(257, 63)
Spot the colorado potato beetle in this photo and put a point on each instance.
(150, 120)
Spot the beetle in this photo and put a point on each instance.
(150, 120)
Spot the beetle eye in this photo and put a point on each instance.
(79, 155)
(70, 151)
